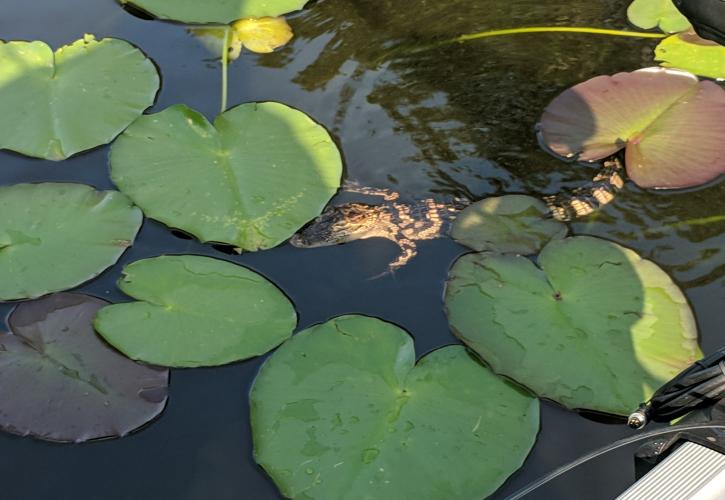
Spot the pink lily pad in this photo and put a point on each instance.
(671, 124)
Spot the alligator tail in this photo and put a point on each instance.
(583, 201)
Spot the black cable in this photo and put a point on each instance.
(700, 385)
(707, 17)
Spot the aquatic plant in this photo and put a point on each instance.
(662, 14)
(251, 179)
(57, 104)
(195, 311)
(669, 123)
(54, 236)
(61, 382)
(260, 35)
(343, 410)
(590, 325)
(507, 224)
(689, 52)
(214, 11)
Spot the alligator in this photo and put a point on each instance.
(406, 224)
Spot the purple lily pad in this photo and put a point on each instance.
(60, 382)
(671, 124)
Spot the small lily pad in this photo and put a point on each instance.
(215, 11)
(663, 14)
(512, 223)
(60, 382)
(55, 236)
(262, 171)
(196, 311)
(593, 326)
(55, 105)
(262, 36)
(689, 52)
(342, 411)
(670, 123)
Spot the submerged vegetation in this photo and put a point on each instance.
(342, 407)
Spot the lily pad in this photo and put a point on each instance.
(251, 180)
(670, 123)
(82, 96)
(215, 11)
(60, 382)
(512, 223)
(689, 52)
(342, 411)
(55, 236)
(648, 14)
(593, 326)
(195, 311)
(262, 36)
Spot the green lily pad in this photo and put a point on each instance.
(195, 311)
(648, 14)
(56, 236)
(342, 411)
(689, 52)
(251, 180)
(669, 122)
(60, 382)
(55, 105)
(512, 223)
(215, 11)
(594, 326)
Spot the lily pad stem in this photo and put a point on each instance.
(225, 66)
(554, 29)
(407, 49)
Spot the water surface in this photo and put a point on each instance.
(452, 120)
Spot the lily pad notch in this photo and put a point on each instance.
(669, 123)
(590, 325)
(60, 382)
(343, 410)
(55, 236)
(251, 180)
(662, 14)
(57, 104)
(195, 311)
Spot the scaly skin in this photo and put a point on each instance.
(406, 224)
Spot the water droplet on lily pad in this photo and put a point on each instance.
(353, 361)
(591, 325)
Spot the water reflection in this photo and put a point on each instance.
(464, 114)
(458, 119)
(469, 109)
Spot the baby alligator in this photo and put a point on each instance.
(405, 224)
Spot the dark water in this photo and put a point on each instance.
(453, 120)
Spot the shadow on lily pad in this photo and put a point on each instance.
(590, 324)
(669, 122)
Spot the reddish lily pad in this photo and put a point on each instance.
(670, 123)
(60, 382)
